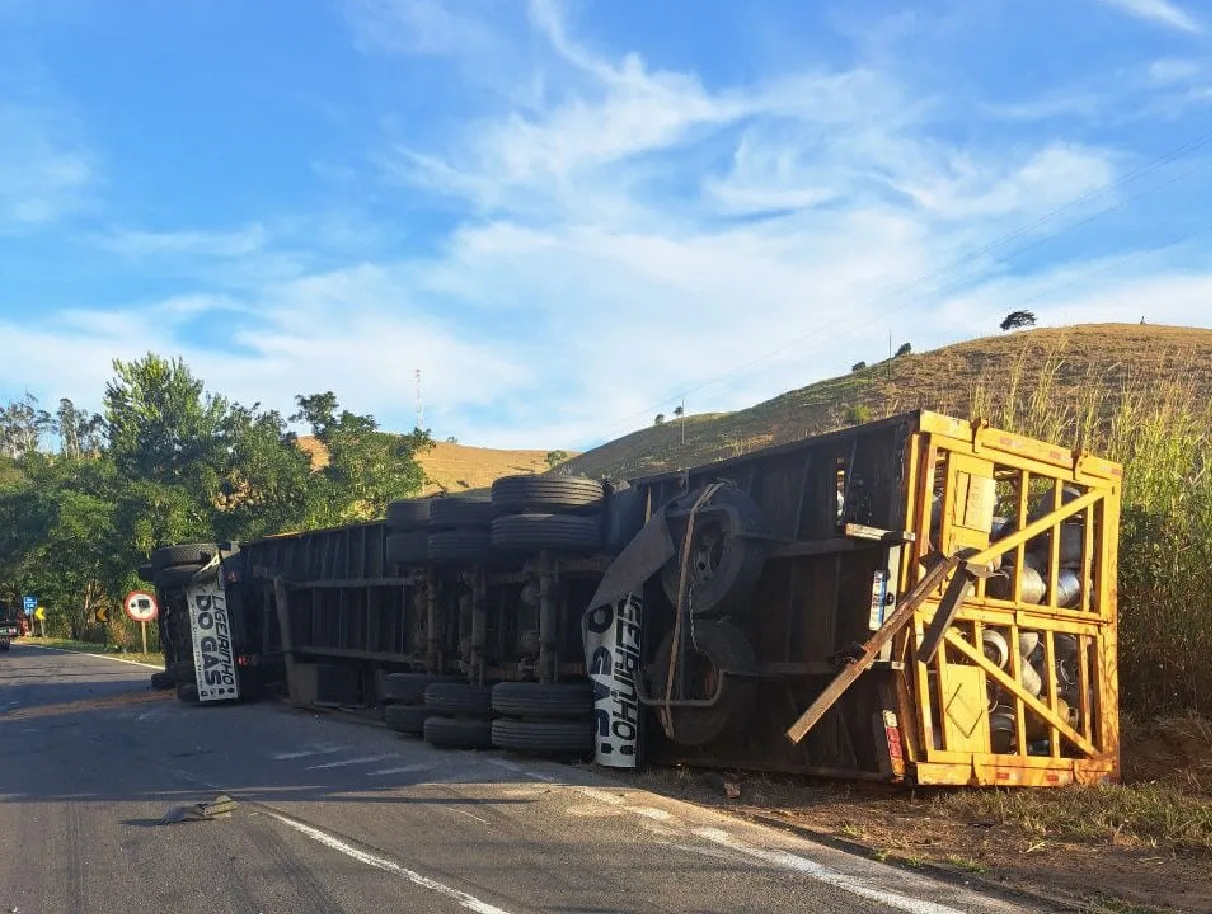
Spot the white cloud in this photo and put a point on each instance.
(1170, 71)
(624, 233)
(428, 27)
(352, 331)
(1160, 12)
(45, 173)
(238, 243)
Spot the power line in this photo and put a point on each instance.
(1198, 142)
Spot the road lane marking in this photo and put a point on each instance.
(405, 769)
(464, 812)
(305, 753)
(63, 650)
(855, 885)
(341, 763)
(382, 863)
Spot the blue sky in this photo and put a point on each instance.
(569, 214)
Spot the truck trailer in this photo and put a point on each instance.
(919, 600)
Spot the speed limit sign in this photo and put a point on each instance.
(140, 606)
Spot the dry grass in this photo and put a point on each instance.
(1153, 815)
(455, 467)
(1055, 365)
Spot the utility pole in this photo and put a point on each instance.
(889, 355)
(420, 407)
(682, 407)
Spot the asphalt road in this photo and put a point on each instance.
(336, 816)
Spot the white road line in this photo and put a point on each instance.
(382, 863)
(464, 812)
(305, 753)
(60, 650)
(341, 763)
(856, 885)
(405, 769)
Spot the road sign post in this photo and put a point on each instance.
(141, 607)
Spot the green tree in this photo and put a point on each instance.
(22, 424)
(161, 424)
(80, 433)
(1016, 319)
(903, 349)
(555, 458)
(366, 468)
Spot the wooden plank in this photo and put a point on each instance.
(847, 677)
(827, 546)
(978, 657)
(953, 597)
(287, 639)
(878, 535)
(1034, 529)
(1050, 685)
(1083, 685)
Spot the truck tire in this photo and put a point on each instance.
(408, 548)
(727, 553)
(176, 576)
(545, 494)
(185, 554)
(458, 698)
(547, 737)
(407, 688)
(462, 545)
(543, 699)
(408, 514)
(458, 732)
(717, 646)
(532, 532)
(5, 644)
(463, 510)
(408, 719)
(146, 572)
(162, 681)
(187, 692)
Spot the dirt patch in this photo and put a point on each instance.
(1142, 847)
(451, 467)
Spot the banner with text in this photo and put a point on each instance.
(214, 664)
(612, 656)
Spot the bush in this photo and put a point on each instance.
(858, 414)
(903, 349)
(858, 366)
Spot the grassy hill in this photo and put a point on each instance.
(1066, 367)
(456, 467)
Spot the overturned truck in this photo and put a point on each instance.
(919, 599)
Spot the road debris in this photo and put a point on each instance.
(220, 808)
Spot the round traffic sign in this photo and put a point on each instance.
(140, 606)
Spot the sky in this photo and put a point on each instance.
(569, 215)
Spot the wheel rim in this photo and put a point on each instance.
(707, 552)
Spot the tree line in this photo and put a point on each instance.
(85, 497)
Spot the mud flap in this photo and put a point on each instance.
(612, 636)
(210, 626)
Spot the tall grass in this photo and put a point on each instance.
(1163, 436)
